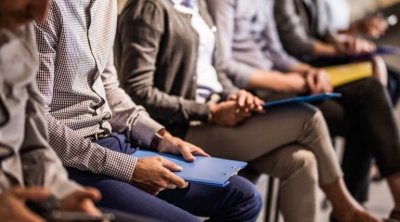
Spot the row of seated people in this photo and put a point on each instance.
(190, 79)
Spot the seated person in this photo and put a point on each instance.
(373, 26)
(84, 105)
(165, 50)
(306, 32)
(363, 115)
(29, 168)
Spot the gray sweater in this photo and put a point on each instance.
(249, 39)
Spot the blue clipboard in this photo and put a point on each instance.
(303, 99)
(204, 170)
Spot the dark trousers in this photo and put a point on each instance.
(239, 201)
(364, 116)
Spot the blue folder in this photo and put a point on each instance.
(302, 99)
(204, 170)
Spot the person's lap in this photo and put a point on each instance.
(127, 198)
(256, 136)
(178, 204)
(222, 204)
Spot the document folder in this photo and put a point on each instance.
(204, 170)
(303, 99)
(347, 73)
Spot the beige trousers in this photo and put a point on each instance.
(291, 143)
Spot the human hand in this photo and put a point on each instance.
(81, 201)
(247, 101)
(174, 145)
(374, 26)
(154, 174)
(351, 45)
(227, 113)
(12, 204)
(318, 81)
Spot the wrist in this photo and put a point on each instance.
(158, 137)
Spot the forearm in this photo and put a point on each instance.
(270, 80)
(275, 81)
(324, 49)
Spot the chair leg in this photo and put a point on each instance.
(268, 201)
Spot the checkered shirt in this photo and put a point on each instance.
(80, 89)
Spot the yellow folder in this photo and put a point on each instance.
(343, 74)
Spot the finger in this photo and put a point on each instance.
(174, 179)
(32, 193)
(89, 207)
(259, 105)
(311, 82)
(91, 194)
(259, 102)
(198, 151)
(241, 99)
(320, 83)
(171, 187)
(170, 165)
(185, 150)
(250, 100)
(94, 193)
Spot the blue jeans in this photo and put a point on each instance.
(239, 201)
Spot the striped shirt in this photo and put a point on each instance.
(80, 89)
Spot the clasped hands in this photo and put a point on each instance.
(352, 45)
(317, 81)
(236, 109)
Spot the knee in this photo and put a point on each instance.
(372, 86)
(303, 165)
(249, 199)
(315, 126)
(309, 113)
(370, 92)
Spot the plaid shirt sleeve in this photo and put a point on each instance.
(71, 147)
(127, 116)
